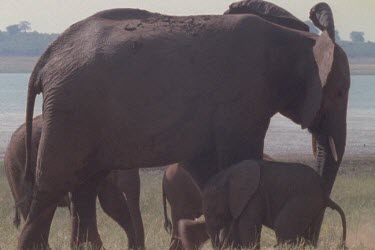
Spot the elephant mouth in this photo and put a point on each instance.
(327, 159)
(323, 147)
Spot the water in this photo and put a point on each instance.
(283, 136)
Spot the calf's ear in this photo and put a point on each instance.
(243, 183)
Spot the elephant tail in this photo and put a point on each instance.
(331, 204)
(167, 221)
(28, 175)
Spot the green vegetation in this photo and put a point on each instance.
(358, 49)
(24, 43)
(354, 191)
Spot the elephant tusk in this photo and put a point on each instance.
(313, 145)
(333, 148)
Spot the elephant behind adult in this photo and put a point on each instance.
(185, 202)
(109, 189)
(109, 99)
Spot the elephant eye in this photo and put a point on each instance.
(342, 92)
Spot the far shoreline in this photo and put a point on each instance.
(25, 64)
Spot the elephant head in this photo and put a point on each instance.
(322, 106)
(224, 199)
(328, 128)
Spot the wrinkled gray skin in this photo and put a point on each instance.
(285, 197)
(185, 201)
(110, 190)
(127, 88)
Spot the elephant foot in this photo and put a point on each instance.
(35, 232)
(175, 244)
(88, 245)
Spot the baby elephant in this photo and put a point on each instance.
(286, 197)
(185, 201)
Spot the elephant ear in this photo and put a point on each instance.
(243, 183)
(317, 77)
(268, 11)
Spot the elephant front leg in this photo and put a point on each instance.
(239, 133)
(84, 224)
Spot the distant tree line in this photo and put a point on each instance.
(357, 47)
(19, 40)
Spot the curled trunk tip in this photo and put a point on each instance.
(322, 17)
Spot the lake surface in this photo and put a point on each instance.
(283, 136)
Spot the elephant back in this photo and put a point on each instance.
(268, 11)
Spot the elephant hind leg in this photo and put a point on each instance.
(35, 232)
(84, 223)
(294, 219)
(114, 205)
(63, 162)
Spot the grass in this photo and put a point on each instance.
(354, 192)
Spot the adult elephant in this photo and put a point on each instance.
(110, 189)
(128, 88)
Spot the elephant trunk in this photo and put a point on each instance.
(322, 17)
(329, 153)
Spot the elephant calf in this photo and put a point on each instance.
(110, 191)
(286, 197)
(185, 201)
